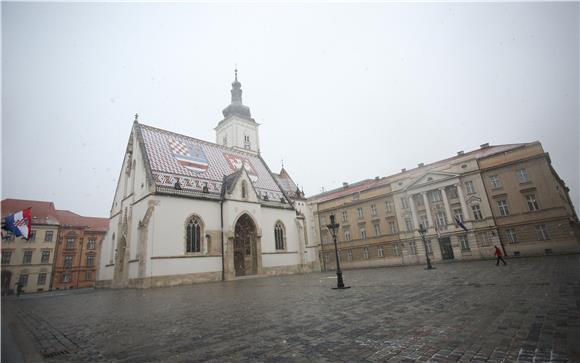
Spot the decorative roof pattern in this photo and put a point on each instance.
(200, 163)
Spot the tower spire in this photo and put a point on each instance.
(237, 107)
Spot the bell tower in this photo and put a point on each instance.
(238, 129)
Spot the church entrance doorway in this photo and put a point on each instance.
(245, 252)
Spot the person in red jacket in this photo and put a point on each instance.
(499, 258)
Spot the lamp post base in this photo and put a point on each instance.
(341, 288)
(339, 282)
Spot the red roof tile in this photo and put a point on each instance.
(42, 212)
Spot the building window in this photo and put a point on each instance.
(424, 220)
(435, 196)
(511, 235)
(344, 216)
(412, 248)
(349, 255)
(495, 181)
(48, 236)
(476, 212)
(363, 233)
(542, 232)
(88, 275)
(469, 187)
(45, 257)
(452, 192)
(404, 202)
(193, 235)
(392, 227)
(381, 251)
(396, 249)
(247, 142)
(503, 207)
(27, 258)
(347, 235)
(522, 175)
(418, 199)
(70, 243)
(483, 239)
(440, 219)
(532, 202)
(244, 190)
(366, 253)
(23, 280)
(373, 210)
(68, 261)
(279, 236)
(91, 244)
(409, 224)
(388, 206)
(32, 236)
(458, 214)
(359, 212)
(6, 256)
(41, 279)
(429, 247)
(65, 277)
(377, 229)
(464, 242)
(90, 260)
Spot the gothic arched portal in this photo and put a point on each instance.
(245, 251)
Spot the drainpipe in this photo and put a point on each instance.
(222, 230)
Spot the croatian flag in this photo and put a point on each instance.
(19, 223)
(460, 224)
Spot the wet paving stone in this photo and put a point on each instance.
(527, 311)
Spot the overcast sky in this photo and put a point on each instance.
(343, 92)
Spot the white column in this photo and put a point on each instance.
(462, 201)
(427, 209)
(446, 203)
(413, 211)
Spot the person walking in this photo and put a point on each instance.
(498, 255)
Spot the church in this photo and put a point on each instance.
(187, 210)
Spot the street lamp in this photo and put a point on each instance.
(333, 228)
(422, 231)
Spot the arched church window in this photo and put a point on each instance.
(279, 235)
(244, 189)
(193, 235)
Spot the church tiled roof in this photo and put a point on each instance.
(200, 164)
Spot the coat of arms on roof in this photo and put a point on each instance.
(236, 162)
(189, 155)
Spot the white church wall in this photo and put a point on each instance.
(280, 259)
(270, 217)
(105, 270)
(187, 265)
(171, 215)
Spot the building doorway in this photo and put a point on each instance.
(446, 249)
(245, 251)
(6, 279)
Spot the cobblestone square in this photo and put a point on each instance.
(527, 311)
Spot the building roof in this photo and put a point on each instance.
(43, 213)
(483, 152)
(70, 219)
(287, 184)
(199, 163)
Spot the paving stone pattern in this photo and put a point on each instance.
(527, 311)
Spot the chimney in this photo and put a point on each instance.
(420, 165)
(344, 185)
(484, 146)
(403, 170)
(460, 152)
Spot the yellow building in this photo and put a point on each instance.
(380, 218)
(30, 262)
